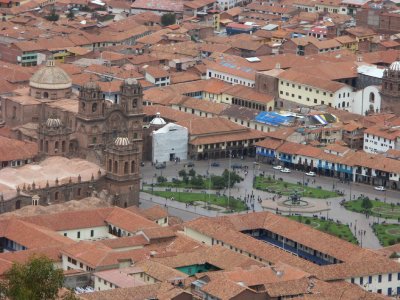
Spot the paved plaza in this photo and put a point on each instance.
(359, 223)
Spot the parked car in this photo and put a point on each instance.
(236, 166)
(380, 188)
(285, 170)
(215, 164)
(312, 174)
(160, 166)
(190, 164)
(278, 167)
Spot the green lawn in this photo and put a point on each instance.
(387, 234)
(285, 188)
(379, 208)
(339, 230)
(185, 197)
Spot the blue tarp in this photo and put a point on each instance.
(273, 118)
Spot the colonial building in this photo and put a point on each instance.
(88, 126)
(391, 89)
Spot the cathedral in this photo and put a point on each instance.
(83, 126)
(390, 91)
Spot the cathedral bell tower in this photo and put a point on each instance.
(122, 177)
(131, 96)
(91, 102)
(390, 92)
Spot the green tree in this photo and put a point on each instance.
(197, 181)
(53, 17)
(192, 173)
(218, 182)
(366, 203)
(161, 179)
(37, 279)
(182, 173)
(168, 19)
(234, 178)
(70, 15)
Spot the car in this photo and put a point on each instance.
(312, 174)
(160, 166)
(190, 164)
(215, 164)
(236, 166)
(277, 167)
(285, 170)
(380, 188)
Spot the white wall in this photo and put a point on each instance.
(375, 144)
(375, 285)
(86, 233)
(363, 100)
(170, 139)
(232, 79)
(343, 96)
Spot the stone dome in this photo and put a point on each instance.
(158, 120)
(121, 141)
(53, 122)
(50, 78)
(395, 66)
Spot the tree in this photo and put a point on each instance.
(234, 178)
(182, 173)
(197, 181)
(37, 279)
(366, 203)
(52, 16)
(168, 19)
(192, 173)
(70, 14)
(161, 179)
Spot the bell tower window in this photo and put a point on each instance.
(94, 107)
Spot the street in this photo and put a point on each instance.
(358, 223)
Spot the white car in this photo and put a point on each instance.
(285, 170)
(277, 167)
(312, 174)
(380, 188)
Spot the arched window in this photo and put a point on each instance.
(109, 165)
(94, 107)
(115, 167)
(371, 97)
(133, 166)
(343, 104)
(135, 135)
(56, 196)
(93, 95)
(126, 168)
(45, 95)
(56, 146)
(134, 103)
(18, 204)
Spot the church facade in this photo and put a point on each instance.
(84, 126)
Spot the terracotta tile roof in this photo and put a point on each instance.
(281, 133)
(214, 108)
(250, 94)
(269, 143)
(156, 233)
(223, 289)
(360, 31)
(135, 241)
(11, 149)
(168, 113)
(128, 221)
(313, 81)
(159, 271)
(162, 291)
(154, 213)
(120, 278)
(218, 256)
(213, 125)
(384, 132)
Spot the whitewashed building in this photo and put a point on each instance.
(170, 142)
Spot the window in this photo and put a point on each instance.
(315, 101)
(92, 233)
(78, 235)
(390, 277)
(361, 280)
(380, 278)
(352, 280)
(389, 291)
(94, 107)
(65, 234)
